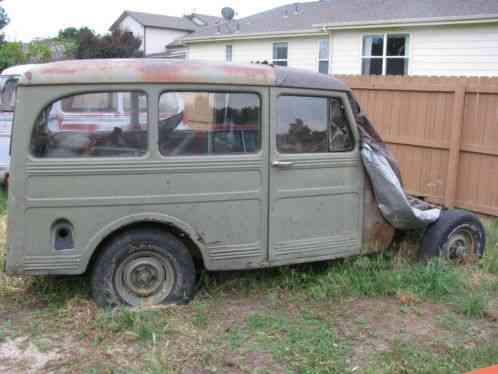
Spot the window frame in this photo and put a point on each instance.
(320, 95)
(328, 55)
(384, 57)
(82, 90)
(212, 89)
(276, 61)
(228, 53)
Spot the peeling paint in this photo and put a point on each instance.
(162, 71)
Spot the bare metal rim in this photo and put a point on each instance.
(145, 278)
(461, 246)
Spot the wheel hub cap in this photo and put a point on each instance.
(144, 278)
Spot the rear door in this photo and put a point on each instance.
(316, 178)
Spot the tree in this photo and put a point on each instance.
(12, 53)
(4, 21)
(4, 18)
(118, 44)
(87, 44)
(39, 51)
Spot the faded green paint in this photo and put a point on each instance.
(247, 213)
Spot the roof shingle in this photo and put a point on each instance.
(307, 16)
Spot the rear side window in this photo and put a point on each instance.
(310, 124)
(92, 125)
(209, 123)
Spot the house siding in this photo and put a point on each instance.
(444, 51)
(455, 51)
(302, 52)
(157, 39)
(130, 24)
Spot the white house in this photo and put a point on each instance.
(158, 31)
(438, 37)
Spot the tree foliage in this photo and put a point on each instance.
(12, 53)
(4, 18)
(87, 44)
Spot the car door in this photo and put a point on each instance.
(316, 177)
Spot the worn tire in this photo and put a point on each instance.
(445, 238)
(137, 261)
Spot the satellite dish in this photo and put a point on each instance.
(228, 13)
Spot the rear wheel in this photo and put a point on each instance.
(458, 236)
(143, 267)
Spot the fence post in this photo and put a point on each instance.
(455, 144)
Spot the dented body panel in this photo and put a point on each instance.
(227, 207)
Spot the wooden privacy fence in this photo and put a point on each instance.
(443, 132)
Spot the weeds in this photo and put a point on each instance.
(410, 358)
(303, 342)
(147, 326)
(472, 304)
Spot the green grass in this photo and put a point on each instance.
(3, 202)
(490, 260)
(411, 358)
(305, 343)
(380, 275)
(297, 329)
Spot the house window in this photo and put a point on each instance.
(228, 53)
(280, 51)
(385, 54)
(323, 57)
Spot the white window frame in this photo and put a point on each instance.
(328, 54)
(279, 59)
(384, 56)
(228, 47)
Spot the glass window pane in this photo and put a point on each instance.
(323, 67)
(371, 66)
(280, 63)
(280, 51)
(341, 137)
(8, 87)
(396, 45)
(93, 102)
(93, 126)
(324, 49)
(397, 66)
(373, 45)
(197, 123)
(228, 53)
(302, 124)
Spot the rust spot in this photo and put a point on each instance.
(377, 232)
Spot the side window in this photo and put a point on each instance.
(308, 124)
(104, 124)
(206, 123)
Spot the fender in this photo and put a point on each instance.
(138, 218)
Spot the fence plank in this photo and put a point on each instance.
(455, 144)
(442, 130)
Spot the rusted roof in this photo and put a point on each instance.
(162, 71)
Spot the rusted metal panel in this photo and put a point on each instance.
(378, 234)
(161, 71)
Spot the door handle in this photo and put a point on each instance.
(282, 164)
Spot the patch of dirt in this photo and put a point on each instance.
(372, 324)
(22, 356)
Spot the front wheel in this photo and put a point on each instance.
(143, 267)
(458, 236)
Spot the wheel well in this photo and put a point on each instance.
(178, 233)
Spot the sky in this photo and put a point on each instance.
(44, 18)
